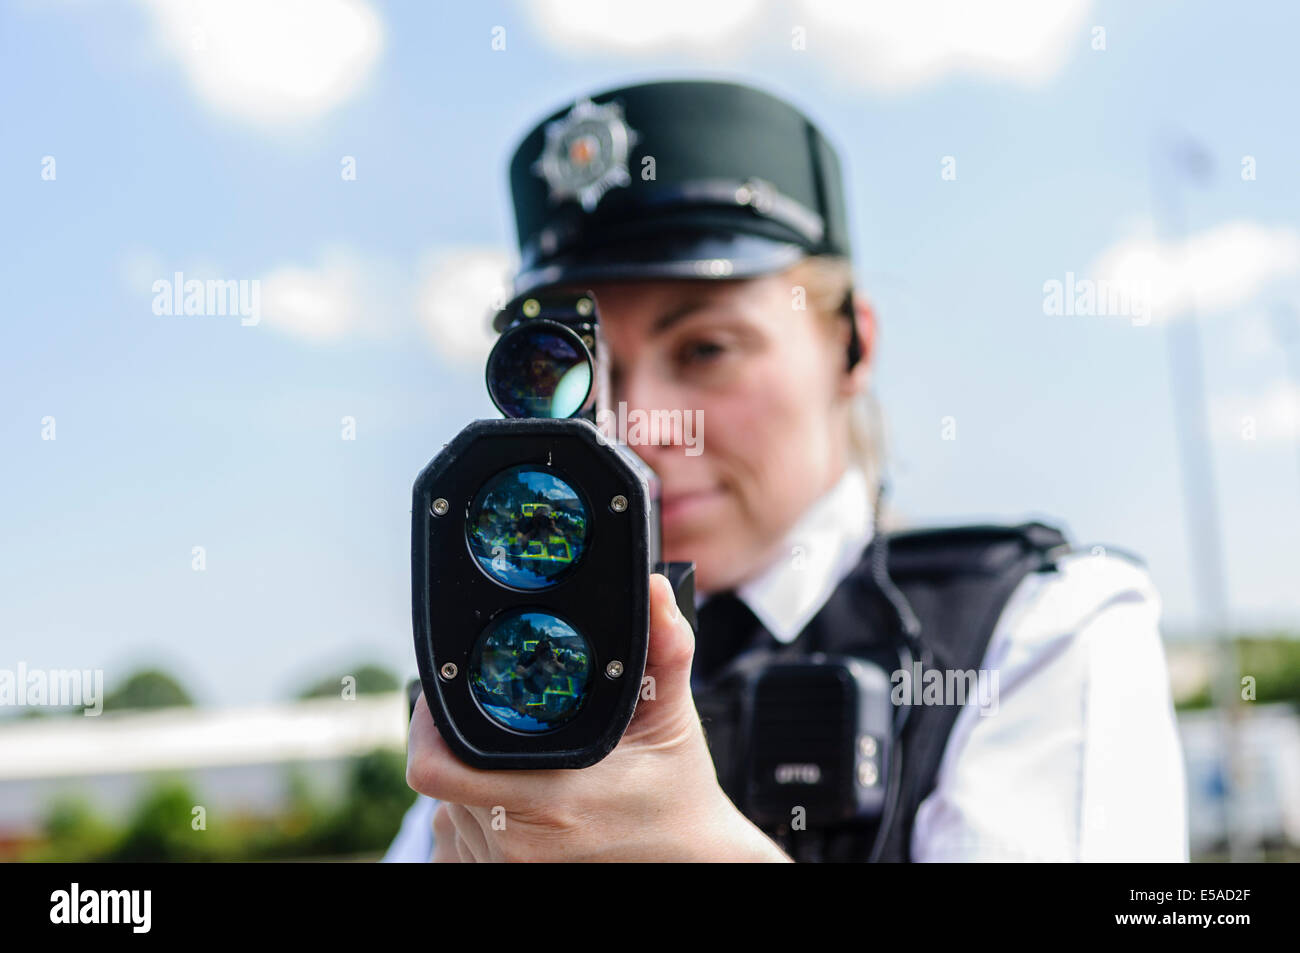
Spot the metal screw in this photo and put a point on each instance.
(867, 774)
(440, 507)
(618, 504)
(532, 308)
(584, 306)
(867, 746)
(449, 671)
(614, 669)
(588, 340)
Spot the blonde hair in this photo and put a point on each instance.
(828, 279)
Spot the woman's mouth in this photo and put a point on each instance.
(677, 509)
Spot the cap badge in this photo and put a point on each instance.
(586, 153)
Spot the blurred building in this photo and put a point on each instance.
(1268, 808)
(237, 760)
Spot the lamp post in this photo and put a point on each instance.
(1173, 165)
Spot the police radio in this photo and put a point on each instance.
(806, 742)
(533, 539)
(814, 743)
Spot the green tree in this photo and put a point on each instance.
(371, 680)
(161, 829)
(148, 688)
(1274, 663)
(371, 811)
(74, 832)
(1272, 660)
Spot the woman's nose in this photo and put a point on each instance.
(648, 399)
(638, 392)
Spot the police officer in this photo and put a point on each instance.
(709, 218)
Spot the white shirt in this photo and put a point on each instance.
(1079, 759)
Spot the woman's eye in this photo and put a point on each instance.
(701, 352)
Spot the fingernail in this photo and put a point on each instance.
(677, 610)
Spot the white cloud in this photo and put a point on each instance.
(1254, 338)
(1269, 416)
(891, 45)
(459, 291)
(343, 296)
(880, 44)
(581, 26)
(1214, 270)
(271, 61)
(139, 268)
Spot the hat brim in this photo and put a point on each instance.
(702, 255)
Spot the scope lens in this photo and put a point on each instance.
(530, 671)
(527, 528)
(539, 371)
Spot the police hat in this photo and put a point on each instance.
(682, 179)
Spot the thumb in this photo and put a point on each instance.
(665, 703)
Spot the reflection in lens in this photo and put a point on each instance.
(539, 372)
(530, 670)
(527, 528)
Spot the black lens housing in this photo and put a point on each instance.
(499, 376)
(606, 597)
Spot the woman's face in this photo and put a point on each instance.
(765, 384)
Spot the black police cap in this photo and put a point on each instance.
(679, 179)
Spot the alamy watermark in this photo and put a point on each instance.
(52, 688)
(131, 908)
(1098, 298)
(639, 428)
(945, 687)
(214, 297)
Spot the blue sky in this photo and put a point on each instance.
(176, 432)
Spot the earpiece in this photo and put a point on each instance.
(855, 343)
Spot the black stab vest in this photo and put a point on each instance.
(957, 581)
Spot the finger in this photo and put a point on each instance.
(444, 838)
(464, 854)
(433, 769)
(665, 701)
(470, 834)
(672, 643)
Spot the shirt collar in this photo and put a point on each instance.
(821, 549)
